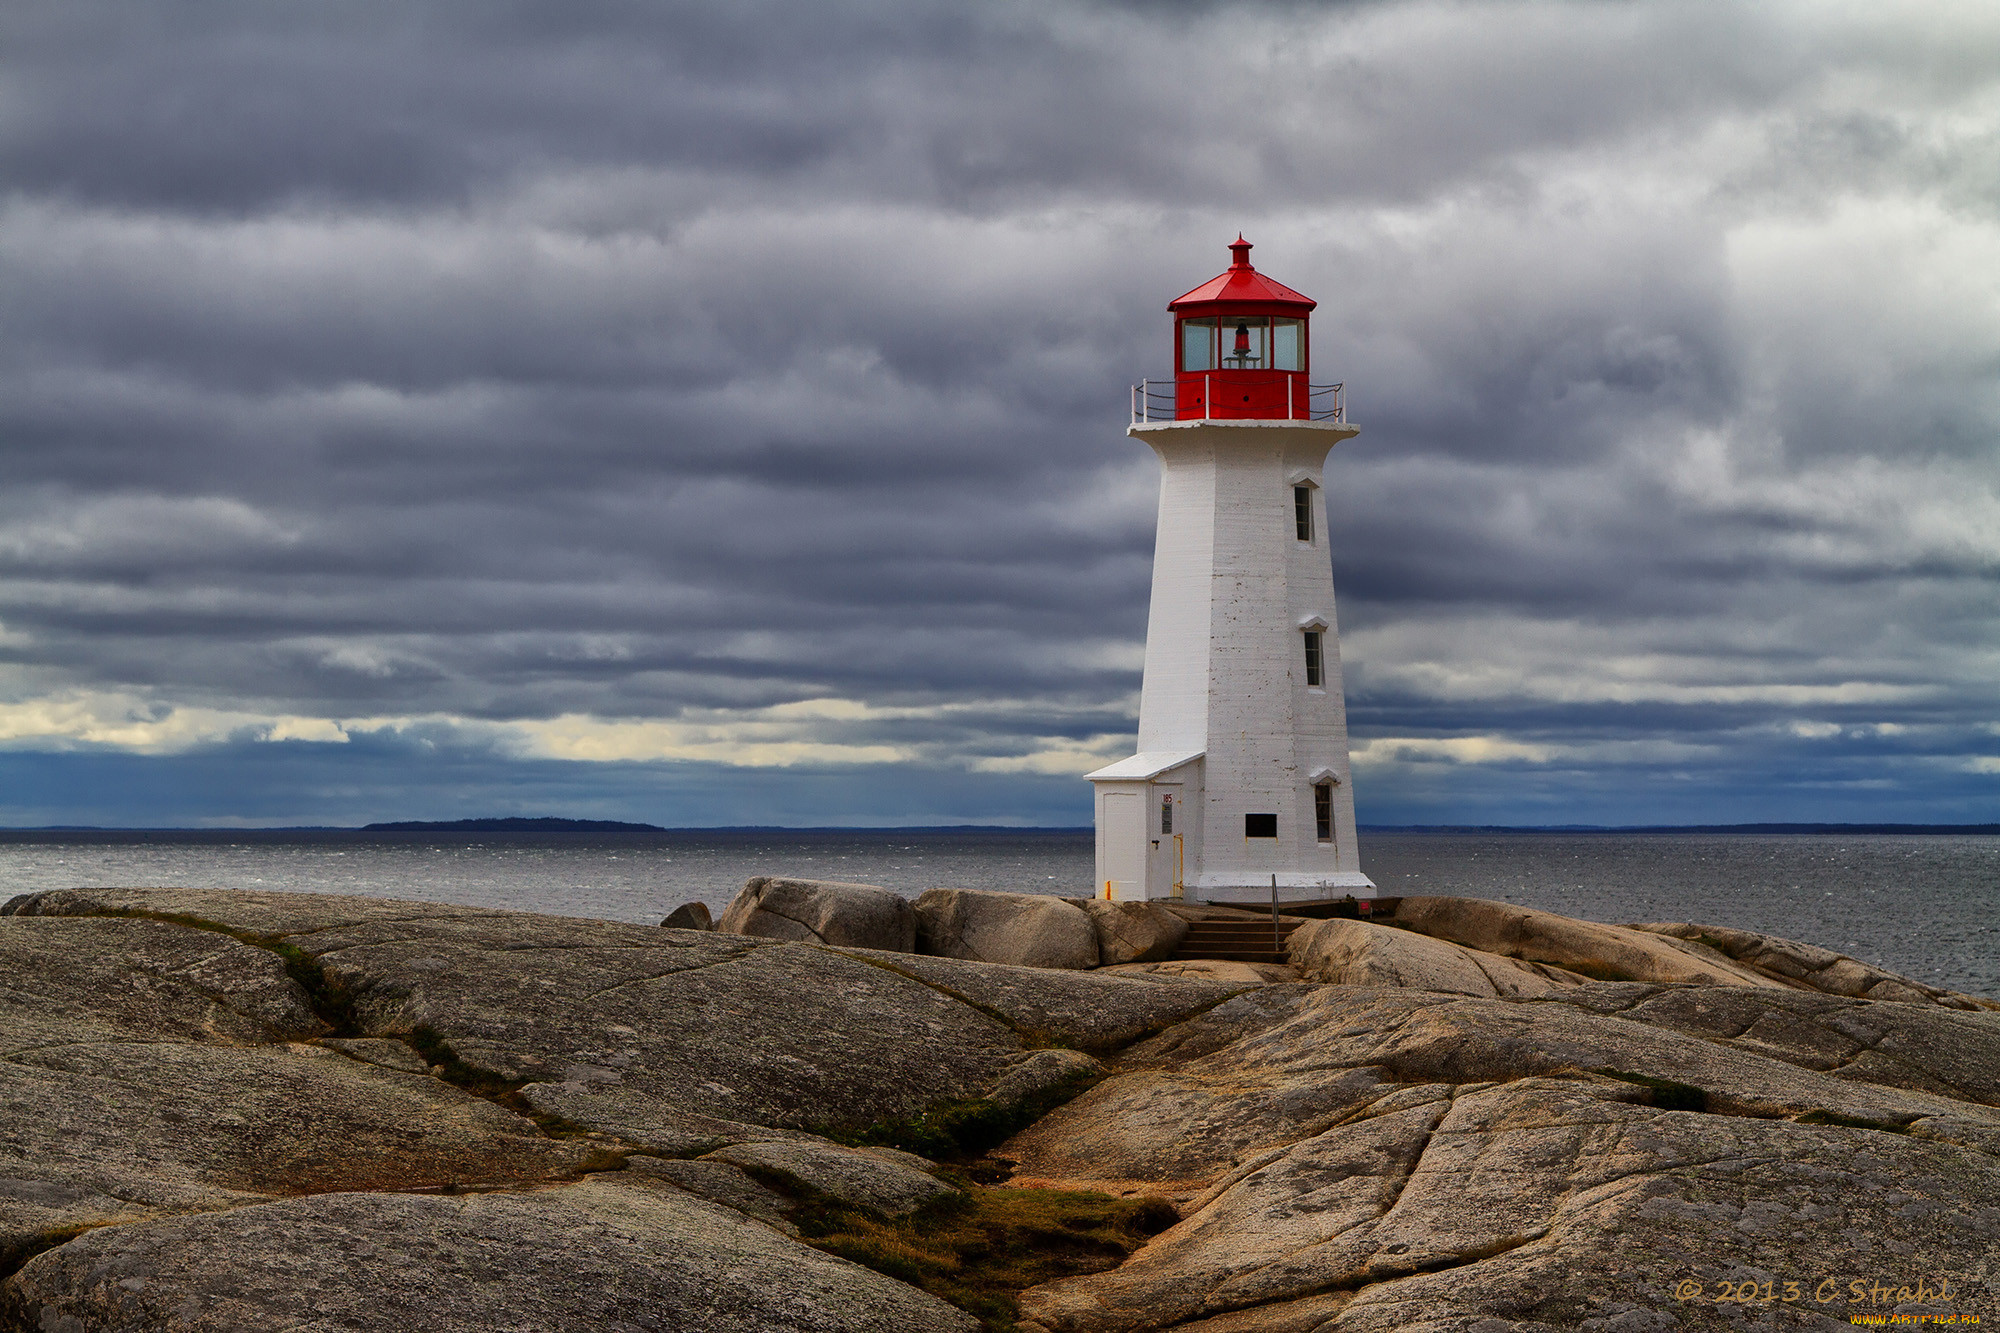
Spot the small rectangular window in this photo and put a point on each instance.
(1323, 810)
(1287, 344)
(1315, 674)
(1260, 826)
(1197, 344)
(1302, 511)
(1166, 814)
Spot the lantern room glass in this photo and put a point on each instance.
(1197, 344)
(1288, 342)
(1246, 343)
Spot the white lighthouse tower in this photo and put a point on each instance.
(1242, 773)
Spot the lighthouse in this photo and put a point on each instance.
(1241, 780)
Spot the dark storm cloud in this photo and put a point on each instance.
(510, 375)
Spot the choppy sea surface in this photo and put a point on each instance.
(1924, 905)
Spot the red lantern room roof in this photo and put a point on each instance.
(1241, 285)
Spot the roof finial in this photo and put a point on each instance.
(1239, 249)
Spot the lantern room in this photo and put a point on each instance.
(1241, 347)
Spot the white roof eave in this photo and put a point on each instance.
(1144, 765)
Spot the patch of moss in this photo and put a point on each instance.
(979, 1250)
(444, 1062)
(331, 1001)
(1664, 1093)
(954, 1130)
(1851, 1122)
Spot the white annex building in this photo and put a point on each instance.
(1242, 769)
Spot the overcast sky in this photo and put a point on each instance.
(713, 413)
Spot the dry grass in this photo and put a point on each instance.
(981, 1249)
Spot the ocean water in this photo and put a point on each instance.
(1927, 906)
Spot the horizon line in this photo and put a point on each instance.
(549, 824)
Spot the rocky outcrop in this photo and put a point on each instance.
(1093, 1011)
(1225, 971)
(170, 1052)
(1362, 1159)
(716, 1025)
(1550, 1203)
(1658, 952)
(1024, 929)
(1588, 948)
(149, 1069)
(225, 1112)
(1357, 953)
(624, 1252)
(821, 911)
(1808, 965)
(1133, 932)
(878, 1179)
(689, 916)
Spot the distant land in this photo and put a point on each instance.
(551, 825)
(511, 824)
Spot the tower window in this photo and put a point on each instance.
(1197, 344)
(1260, 826)
(1302, 511)
(1323, 810)
(1315, 671)
(1288, 344)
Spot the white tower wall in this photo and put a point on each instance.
(1225, 712)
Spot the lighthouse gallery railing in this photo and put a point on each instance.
(1158, 400)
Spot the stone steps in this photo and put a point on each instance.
(1235, 941)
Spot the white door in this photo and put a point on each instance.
(1170, 824)
(1124, 846)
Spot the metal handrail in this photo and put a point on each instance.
(1152, 402)
(1326, 402)
(1159, 400)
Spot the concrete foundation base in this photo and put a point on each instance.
(1224, 888)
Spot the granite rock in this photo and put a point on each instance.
(719, 1182)
(628, 1251)
(287, 1111)
(1092, 1011)
(817, 911)
(1358, 1159)
(66, 981)
(1133, 932)
(689, 916)
(1552, 1203)
(1223, 971)
(265, 913)
(1951, 1054)
(1809, 965)
(1358, 953)
(1589, 948)
(152, 1069)
(1021, 928)
(775, 1034)
(881, 1182)
(717, 1025)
